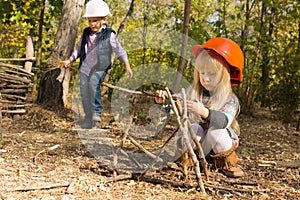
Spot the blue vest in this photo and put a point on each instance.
(104, 49)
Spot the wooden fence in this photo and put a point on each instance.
(15, 82)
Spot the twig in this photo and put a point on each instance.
(143, 149)
(160, 152)
(199, 149)
(30, 188)
(183, 127)
(48, 149)
(132, 91)
(119, 178)
(122, 89)
(115, 161)
(190, 148)
(236, 189)
(188, 185)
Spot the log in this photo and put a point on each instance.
(14, 86)
(16, 67)
(15, 72)
(19, 111)
(13, 91)
(7, 101)
(14, 79)
(15, 97)
(4, 106)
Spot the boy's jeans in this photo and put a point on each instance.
(98, 104)
(91, 93)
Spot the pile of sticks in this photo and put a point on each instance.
(15, 87)
(184, 126)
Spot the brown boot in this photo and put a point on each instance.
(228, 161)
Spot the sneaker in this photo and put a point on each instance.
(97, 117)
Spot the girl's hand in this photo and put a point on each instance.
(160, 96)
(197, 107)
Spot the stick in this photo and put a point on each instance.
(122, 89)
(184, 129)
(190, 148)
(187, 185)
(115, 161)
(199, 149)
(48, 149)
(132, 91)
(49, 186)
(143, 149)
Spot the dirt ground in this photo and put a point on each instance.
(43, 157)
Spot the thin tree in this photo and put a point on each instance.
(182, 59)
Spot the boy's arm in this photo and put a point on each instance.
(121, 53)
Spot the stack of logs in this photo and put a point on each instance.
(15, 88)
(15, 82)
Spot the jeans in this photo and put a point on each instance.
(91, 93)
(98, 104)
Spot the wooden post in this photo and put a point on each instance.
(29, 53)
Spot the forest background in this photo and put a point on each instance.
(268, 32)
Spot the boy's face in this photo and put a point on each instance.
(96, 23)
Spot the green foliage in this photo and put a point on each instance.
(270, 40)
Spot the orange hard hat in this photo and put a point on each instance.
(229, 51)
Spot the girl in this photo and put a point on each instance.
(212, 105)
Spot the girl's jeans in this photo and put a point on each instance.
(90, 92)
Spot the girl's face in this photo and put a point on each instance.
(96, 23)
(209, 79)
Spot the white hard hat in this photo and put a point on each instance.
(96, 8)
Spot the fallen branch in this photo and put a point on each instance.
(30, 188)
(182, 184)
(122, 89)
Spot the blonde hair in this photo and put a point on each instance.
(223, 88)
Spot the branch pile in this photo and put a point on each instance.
(15, 88)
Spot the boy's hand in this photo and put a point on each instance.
(128, 70)
(160, 96)
(65, 63)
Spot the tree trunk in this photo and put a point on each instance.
(182, 59)
(54, 84)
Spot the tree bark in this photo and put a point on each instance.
(182, 59)
(51, 89)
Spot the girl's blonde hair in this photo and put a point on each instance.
(222, 90)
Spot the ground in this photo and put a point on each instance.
(42, 157)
